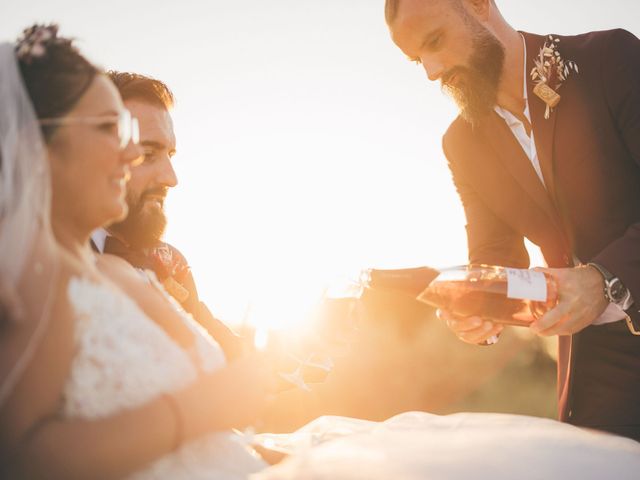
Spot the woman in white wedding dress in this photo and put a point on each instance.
(92, 387)
(103, 377)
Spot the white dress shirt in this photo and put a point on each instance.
(99, 237)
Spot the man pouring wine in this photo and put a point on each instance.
(547, 147)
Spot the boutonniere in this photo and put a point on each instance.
(549, 72)
(170, 270)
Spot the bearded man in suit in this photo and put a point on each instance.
(547, 147)
(137, 238)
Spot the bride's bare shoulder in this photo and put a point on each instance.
(127, 278)
(115, 268)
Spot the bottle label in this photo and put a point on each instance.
(526, 285)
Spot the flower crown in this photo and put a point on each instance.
(34, 41)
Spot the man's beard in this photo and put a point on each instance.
(142, 228)
(476, 88)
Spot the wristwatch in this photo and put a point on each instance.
(614, 290)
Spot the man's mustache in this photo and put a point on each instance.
(445, 81)
(156, 192)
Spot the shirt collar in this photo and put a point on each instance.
(99, 237)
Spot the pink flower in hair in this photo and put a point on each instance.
(34, 41)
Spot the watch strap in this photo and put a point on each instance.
(609, 280)
(606, 274)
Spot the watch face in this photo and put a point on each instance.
(617, 291)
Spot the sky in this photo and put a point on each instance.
(308, 146)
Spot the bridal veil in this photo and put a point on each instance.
(28, 251)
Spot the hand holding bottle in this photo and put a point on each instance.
(473, 330)
(476, 300)
(502, 295)
(580, 301)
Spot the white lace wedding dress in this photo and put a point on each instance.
(124, 360)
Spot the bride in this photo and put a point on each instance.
(101, 376)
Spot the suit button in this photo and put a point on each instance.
(565, 259)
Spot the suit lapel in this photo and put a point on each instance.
(543, 129)
(510, 152)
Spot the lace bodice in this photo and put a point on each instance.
(124, 360)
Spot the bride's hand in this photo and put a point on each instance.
(471, 330)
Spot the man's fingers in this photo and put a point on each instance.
(480, 334)
(569, 324)
(550, 320)
(444, 315)
(473, 330)
(458, 324)
(464, 324)
(560, 328)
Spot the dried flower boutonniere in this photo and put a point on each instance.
(171, 270)
(549, 72)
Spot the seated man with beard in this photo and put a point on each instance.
(137, 239)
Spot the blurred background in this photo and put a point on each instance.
(308, 149)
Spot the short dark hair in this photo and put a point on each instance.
(142, 87)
